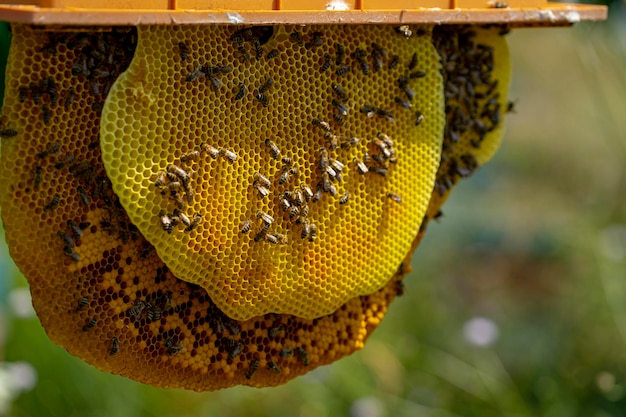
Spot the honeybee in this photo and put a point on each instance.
(284, 177)
(261, 234)
(276, 330)
(190, 156)
(408, 92)
(353, 141)
(417, 74)
(263, 191)
(403, 103)
(360, 166)
(229, 155)
(266, 85)
(272, 54)
(153, 314)
(266, 218)
(273, 239)
(318, 194)
(254, 365)
(368, 110)
(322, 124)
(82, 303)
(46, 115)
(284, 204)
(343, 70)
(307, 192)
(326, 61)
(246, 226)
(213, 152)
(316, 40)
(344, 198)
(293, 212)
(183, 51)
(90, 325)
(341, 108)
(180, 173)
(413, 62)
(298, 198)
(286, 353)
(274, 150)
(312, 232)
(172, 350)
(286, 160)
(296, 37)
(53, 203)
(197, 218)
(339, 90)
(337, 165)
(137, 309)
(382, 171)
(84, 197)
(304, 357)
(273, 367)
(241, 91)
(324, 161)
(394, 197)
(76, 231)
(23, 93)
(341, 53)
(37, 176)
(262, 98)
(195, 74)
(404, 30)
(395, 60)
(7, 133)
(166, 223)
(419, 118)
(236, 350)
(35, 93)
(306, 229)
(71, 253)
(305, 211)
(115, 346)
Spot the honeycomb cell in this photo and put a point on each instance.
(112, 284)
(279, 149)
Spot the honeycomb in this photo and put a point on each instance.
(167, 114)
(98, 286)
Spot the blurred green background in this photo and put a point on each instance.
(517, 302)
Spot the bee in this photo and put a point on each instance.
(190, 156)
(68, 160)
(399, 288)
(246, 226)
(153, 314)
(318, 194)
(241, 91)
(180, 173)
(238, 348)
(183, 51)
(197, 218)
(386, 114)
(233, 327)
(419, 118)
(326, 61)
(273, 239)
(260, 179)
(341, 53)
(339, 91)
(395, 60)
(90, 325)
(344, 198)
(137, 309)
(23, 93)
(337, 165)
(274, 151)
(324, 162)
(195, 74)
(316, 40)
(405, 104)
(37, 176)
(45, 113)
(404, 30)
(386, 139)
(166, 223)
(360, 166)
(408, 92)
(296, 37)
(160, 180)
(501, 5)
(306, 229)
(368, 110)
(265, 218)
(284, 177)
(298, 198)
(341, 108)
(413, 62)
(254, 365)
(284, 204)
(293, 211)
(82, 303)
(417, 74)
(276, 330)
(262, 98)
(75, 228)
(322, 124)
(304, 357)
(394, 197)
(213, 152)
(312, 232)
(305, 211)
(343, 70)
(53, 203)
(382, 171)
(182, 217)
(272, 54)
(307, 192)
(115, 346)
(174, 349)
(273, 367)
(286, 353)
(7, 133)
(49, 86)
(266, 85)
(71, 253)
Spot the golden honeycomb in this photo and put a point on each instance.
(99, 288)
(165, 108)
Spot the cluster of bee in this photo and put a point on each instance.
(175, 182)
(209, 72)
(256, 37)
(153, 309)
(471, 98)
(74, 235)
